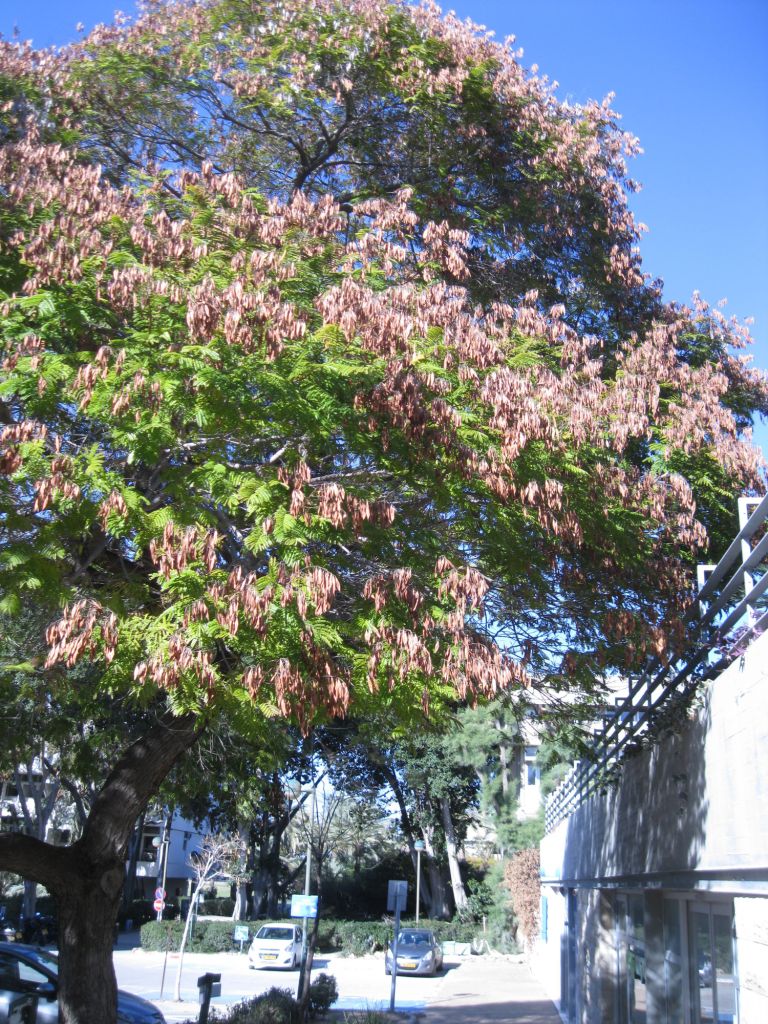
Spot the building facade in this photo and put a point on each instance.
(654, 868)
(655, 891)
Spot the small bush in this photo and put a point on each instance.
(523, 882)
(322, 992)
(159, 936)
(277, 1006)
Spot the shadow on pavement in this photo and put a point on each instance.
(537, 1011)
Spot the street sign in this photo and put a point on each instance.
(242, 934)
(159, 905)
(303, 906)
(397, 895)
(159, 893)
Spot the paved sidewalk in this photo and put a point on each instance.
(491, 990)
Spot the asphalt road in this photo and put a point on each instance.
(361, 980)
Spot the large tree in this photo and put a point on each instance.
(337, 381)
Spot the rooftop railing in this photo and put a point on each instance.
(730, 612)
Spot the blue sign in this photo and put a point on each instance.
(303, 906)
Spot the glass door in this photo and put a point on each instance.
(712, 981)
(629, 914)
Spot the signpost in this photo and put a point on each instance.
(397, 899)
(242, 934)
(159, 906)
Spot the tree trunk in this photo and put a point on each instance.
(504, 760)
(433, 893)
(29, 903)
(428, 896)
(259, 885)
(185, 935)
(87, 877)
(303, 996)
(87, 908)
(451, 849)
(130, 881)
(240, 909)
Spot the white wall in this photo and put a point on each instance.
(697, 801)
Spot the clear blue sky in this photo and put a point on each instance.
(691, 79)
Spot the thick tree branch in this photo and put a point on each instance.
(34, 859)
(135, 777)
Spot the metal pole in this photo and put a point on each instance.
(307, 882)
(166, 845)
(418, 880)
(165, 842)
(165, 959)
(394, 959)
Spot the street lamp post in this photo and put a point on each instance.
(418, 847)
(307, 886)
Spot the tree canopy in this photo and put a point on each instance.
(330, 376)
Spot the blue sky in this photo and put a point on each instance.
(691, 80)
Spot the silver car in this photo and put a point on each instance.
(418, 952)
(27, 969)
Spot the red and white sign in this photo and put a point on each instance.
(159, 905)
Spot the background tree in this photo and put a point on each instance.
(219, 857)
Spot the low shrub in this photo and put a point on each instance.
(159, 936)
(356, 938)
(205, 936)
(277, 1006)
(350, 938)
(353, 938)
(322, 992)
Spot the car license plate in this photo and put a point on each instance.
(408, 964)
(268, 956)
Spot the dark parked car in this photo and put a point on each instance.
(417, 953)
(27, 969)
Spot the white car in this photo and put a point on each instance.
(276, 945)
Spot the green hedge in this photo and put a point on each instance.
(351, 938)
(355, 938)
(207, 936)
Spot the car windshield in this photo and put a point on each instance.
(269, 932)
(413, 938)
